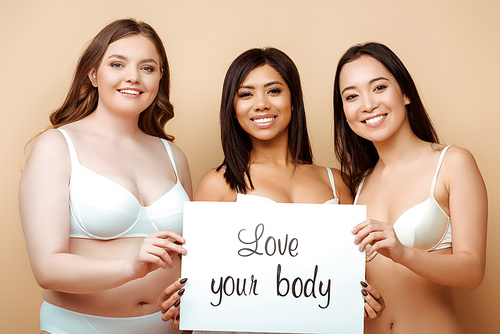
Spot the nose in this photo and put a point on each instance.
(132, 75)
(370, 103)
(261, 102)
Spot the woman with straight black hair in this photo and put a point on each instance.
(236, 142)
(426, 201)
(267, 155)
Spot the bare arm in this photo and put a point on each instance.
(44, 209)
(468, 213)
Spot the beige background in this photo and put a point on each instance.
(451, 47)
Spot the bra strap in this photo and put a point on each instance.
(71, 147)
(170, 155)
(332, 181)
(359, 190)
(440, 162)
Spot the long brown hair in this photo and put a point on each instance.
(236, 143)
(358, 156)
(82, 97)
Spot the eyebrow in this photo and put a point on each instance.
(370, 82)
(148, 60)
(266, 85)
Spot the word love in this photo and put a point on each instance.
(270, 245)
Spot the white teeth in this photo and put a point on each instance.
(263, 120)
(374, 120)
(129, 91)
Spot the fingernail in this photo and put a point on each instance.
(176, 304)
(182, 281)
(181, 291)
(178, 317)
(353, 230)
(365, 300)
(364, 293)
(363, 283)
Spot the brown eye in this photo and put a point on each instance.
(243, 95)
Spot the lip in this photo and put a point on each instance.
(264, 121)
(374, 120)
(130, 92)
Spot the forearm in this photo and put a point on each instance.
(76, 274)
(461, 269)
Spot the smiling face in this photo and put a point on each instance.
(128, 76)
(373, 103)
(263, 104)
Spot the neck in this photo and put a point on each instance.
(271, 151)
(402, 146)
(115, 125)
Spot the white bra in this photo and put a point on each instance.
(256, 198)
(103, 209)
(425, 225)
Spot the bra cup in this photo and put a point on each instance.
(332, 201)
(256, 198)
(261, 199)
(422, 226)
(101, 215)
(172, 221)
(252, 198)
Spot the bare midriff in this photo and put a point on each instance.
(413, 304)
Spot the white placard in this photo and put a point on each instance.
(283, 268)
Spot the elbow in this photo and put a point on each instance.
(44, 279)
(475, 281)
(474, 278)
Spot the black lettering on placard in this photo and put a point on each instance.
(256, 241)
(228, 286)
(298, 288)
(269, 246)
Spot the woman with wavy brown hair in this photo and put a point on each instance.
(102, 194)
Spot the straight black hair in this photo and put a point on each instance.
(236, 143)
(358, 156)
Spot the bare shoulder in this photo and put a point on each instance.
(213, 187)
(459, 166)
(49, 147)
(49, 138)
(457, 154)
(459, 160)
(179, 156)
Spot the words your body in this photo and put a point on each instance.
(298, 287)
